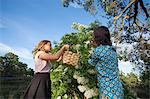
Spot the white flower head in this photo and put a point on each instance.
(59, 97)
(89, 93)
(82, 80)
(66, 96)
(77, 67)
(75, 76)
(92, 71)
(77, 46)
(82, 88)
(87, 42)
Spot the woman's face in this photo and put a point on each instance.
(47, 47)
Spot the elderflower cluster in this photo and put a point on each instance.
(92, 71)
(87, 42)
(82, 88)
(78, 26)
(75, 76)
(82, 80)
(65, 96)
(78, 46)
(91, 93)
(59, 97)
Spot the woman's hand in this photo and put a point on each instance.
(60, 58)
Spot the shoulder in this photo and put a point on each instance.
(39, 53)
(100, 48)
(103, 49)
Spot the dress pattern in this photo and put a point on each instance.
(104, 58)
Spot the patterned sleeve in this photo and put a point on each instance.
(94, 58)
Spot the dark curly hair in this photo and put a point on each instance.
(102, 36)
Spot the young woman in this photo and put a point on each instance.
(40, 86)
(104, 58)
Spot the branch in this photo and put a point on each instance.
(143, 7)
(117, 17)
(139, 27)
(136, 11)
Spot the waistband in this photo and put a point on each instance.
(42, 73)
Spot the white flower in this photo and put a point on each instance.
(77, 67)
(75, 76)
(78, 26)
(82, 88)
(81, 27)
(78, 46)
(82, 80)
(92, 71)
(87, 42)
(65, 96)
(89, 93)
(59, 97)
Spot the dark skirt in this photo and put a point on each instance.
(39, 88)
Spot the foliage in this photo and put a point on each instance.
(75, 81)
(71, 82)
(145, 82)
(14, 75)
(129, 22)
(129, 16)
(130, 81)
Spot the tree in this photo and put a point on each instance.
(128, 16)
(128, 19)
(130, 82)
(14, 76)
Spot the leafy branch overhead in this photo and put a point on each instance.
(128, 16)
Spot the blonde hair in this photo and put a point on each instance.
(40, 46)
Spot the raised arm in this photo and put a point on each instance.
(53, 57)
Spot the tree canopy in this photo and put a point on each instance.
(126, 17)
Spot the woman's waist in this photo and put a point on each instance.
(43, 75)
(42, 69)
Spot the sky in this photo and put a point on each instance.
(24, 23)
